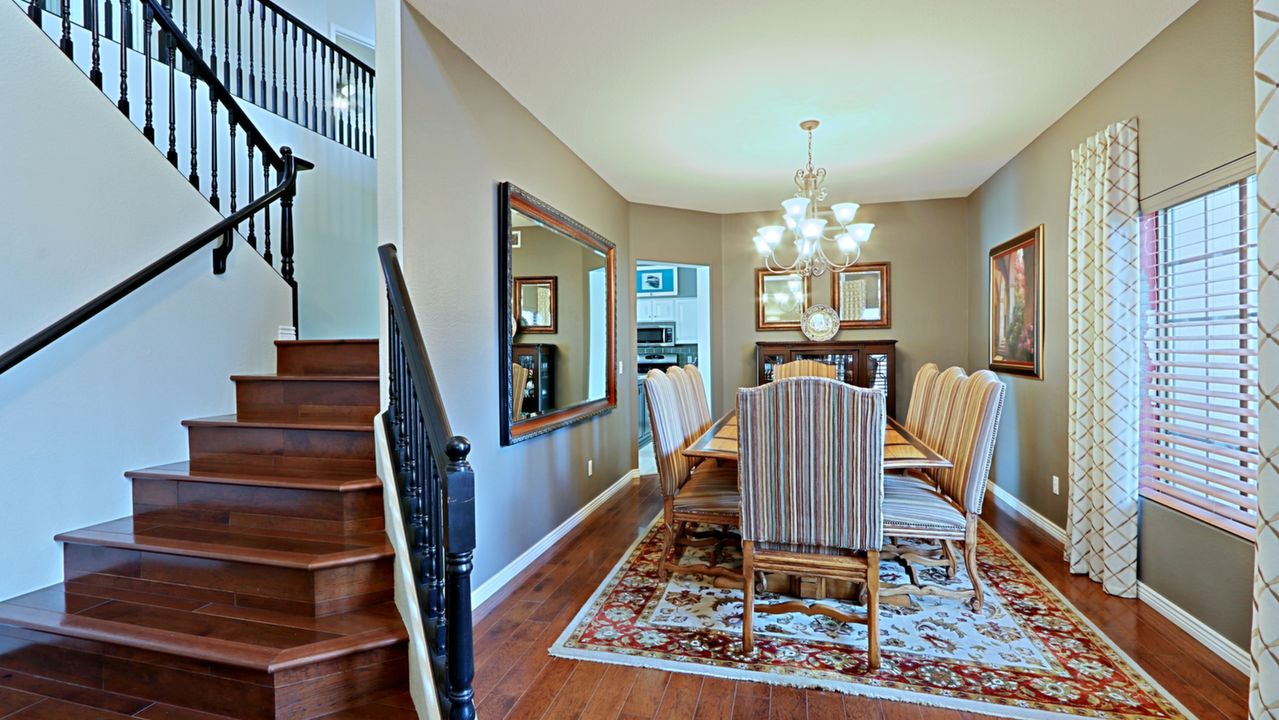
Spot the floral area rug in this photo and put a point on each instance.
(1027, 654)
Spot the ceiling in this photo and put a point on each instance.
(697, 103)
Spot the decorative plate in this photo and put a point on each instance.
(819, 322)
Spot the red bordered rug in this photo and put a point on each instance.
(1028, 654)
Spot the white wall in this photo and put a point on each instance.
(86, 202)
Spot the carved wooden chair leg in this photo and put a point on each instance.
(872, 608)
(748, 592)
(970, 562)
(952, 561)
(668, 542)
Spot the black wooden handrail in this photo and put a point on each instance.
(436, 488)
(222, 230)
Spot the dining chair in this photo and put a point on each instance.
(811, 472)
(949, 513)
(690, 410)
(921, 398)
(519, 379)
(703, 405)
(803, 368)
(707, 496)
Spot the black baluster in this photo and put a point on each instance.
(266, 212)
(65, 43)
(295, 72)
(213, 36)
(460, 486)
(286, 232)
(213, 147)
(108, 19)
(284, 75)
(148, 129)
(253, 88)
(306, 108)
(250, 170)
(435, 518)
(126, 16)
(226, 44)
(95, 67)
(315, 85)
(194, 177)
(239, 46)
(275, 90)
(372, 109)
(364, 110)
(230, 118)
(350, 104)
(35, 12)
(344, 97)
(173, 102)
(331, 85)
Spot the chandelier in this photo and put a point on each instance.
(809, 231)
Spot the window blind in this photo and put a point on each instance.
(1198, 437)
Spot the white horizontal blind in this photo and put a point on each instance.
(1199, 416)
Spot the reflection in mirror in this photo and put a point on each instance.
(860, 295)
(561, 295)
(780, 299)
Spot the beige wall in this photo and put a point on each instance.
(462, 134)
(1191, 90)
(545, 252)
(925, 243)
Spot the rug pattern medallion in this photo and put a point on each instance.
(1028, 654)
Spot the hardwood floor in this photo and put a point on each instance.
(516, 678)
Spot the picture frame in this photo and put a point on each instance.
(656, 280)
(875, 301)
(534, 302)
(781, 299)
(1015, 337)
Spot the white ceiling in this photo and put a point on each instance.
(697, 103)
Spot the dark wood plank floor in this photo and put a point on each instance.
(516, 678)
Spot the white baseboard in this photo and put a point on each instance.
(508, 573)
(1211, 639)
(1026, 511)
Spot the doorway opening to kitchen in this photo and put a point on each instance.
(672, 327)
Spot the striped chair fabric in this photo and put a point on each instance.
(811, 464)
(939, 416)
(519, 378)
(665, 417)
(688, 411)
(702, 410)
(921, 397)
(970, 439)
(803, 368)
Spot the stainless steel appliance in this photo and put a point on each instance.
(655, 334)
(654, 361)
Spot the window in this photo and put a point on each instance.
(1199, 412)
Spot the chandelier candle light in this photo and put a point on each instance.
(810, 231)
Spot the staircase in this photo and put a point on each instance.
(252, 581)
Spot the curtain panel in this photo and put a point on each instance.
(1263, 695)
(1103, 296)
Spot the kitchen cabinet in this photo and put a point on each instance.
(687, 321)
(655, 310)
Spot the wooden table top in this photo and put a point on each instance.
(902, 450)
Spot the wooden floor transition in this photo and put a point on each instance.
(516, 678)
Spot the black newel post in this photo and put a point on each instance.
(459, 509)
(286, 232)
(65, 43)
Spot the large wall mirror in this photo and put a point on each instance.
(557, 284)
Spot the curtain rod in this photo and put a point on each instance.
(1196, 177)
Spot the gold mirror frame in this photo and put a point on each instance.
(762, 324)
(517, 299)
(885, 296)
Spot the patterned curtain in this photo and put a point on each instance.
(1104, 292)
(1263, 696)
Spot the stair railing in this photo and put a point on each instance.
(262, 53)
(437, 498)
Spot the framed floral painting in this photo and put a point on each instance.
(1017, 305)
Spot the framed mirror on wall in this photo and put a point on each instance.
(861, 296)
(780, 300)
(557, 328)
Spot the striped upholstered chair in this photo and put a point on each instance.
(702, 405)
(519, 379)
(811, 468)
(695, 422)
(921, 397)
(803, 368)
(927, 418)
(705, 496)
(949, 513)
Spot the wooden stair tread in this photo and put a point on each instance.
(222, 542)
(333, 480)
(233, 421)
(266, 641)
(305, 378)
(335, 341)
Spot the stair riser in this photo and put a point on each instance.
(339, 358)
(226, 448)
(267, 587)
(247, 506)
(319, 400)
(304, 692)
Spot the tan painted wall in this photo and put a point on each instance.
(1191, 90)
(462, 134)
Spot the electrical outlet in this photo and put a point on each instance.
(1056, 485)
(590, 468)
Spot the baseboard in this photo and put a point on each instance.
(1211, 639)
(1053, 529)
(491, 586)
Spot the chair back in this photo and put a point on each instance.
(921, 398)
(970, 439)
(933, 429)
(666, 418)
(803, 368)
(703, 407)
(519, 378)
(688, 407)
(810, 464)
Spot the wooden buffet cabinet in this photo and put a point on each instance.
(871, 363)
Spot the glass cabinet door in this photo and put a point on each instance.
(845, 363)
